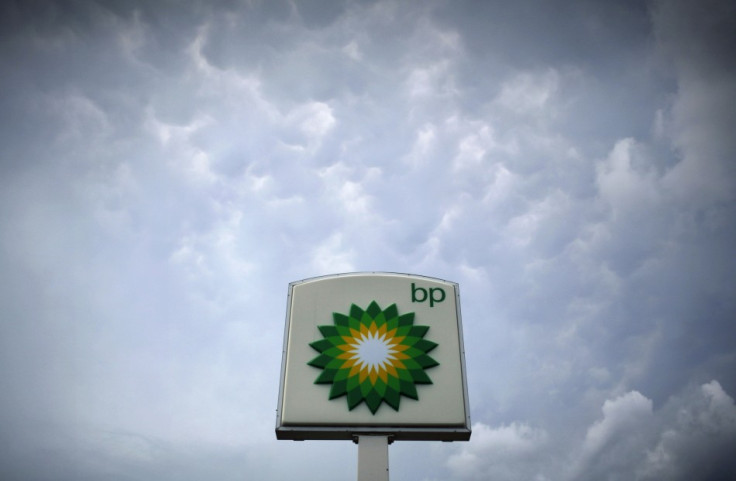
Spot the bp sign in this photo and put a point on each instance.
(373, 353)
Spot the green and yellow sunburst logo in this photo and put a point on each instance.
(373, 355)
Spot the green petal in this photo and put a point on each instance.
(340, 319)
(409, 390)
(337, 340)
(391, 312)
(392, 398)
(403, 331)
(373, 309)
(354, 324)
(354, 398)
(338, 389)
(333, 352)
(321, 345)
(406, 319)
(418, 331)
(380, 387)
(425, 345)
(365, 387)
(409, 340)
(373, 400)
(420, 377)
(411, 364)
(353, 383)
(327, 376)
(356, 312)
(342, 374)
(328, 331)
(335, 364)
(404, 375)
(393, 383)
(412, 352)
(342, 331)
(320, 361)
(426, 362)
(336, 373)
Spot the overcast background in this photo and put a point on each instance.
(167, 168)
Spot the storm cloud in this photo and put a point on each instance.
(167, 168)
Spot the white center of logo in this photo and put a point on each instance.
(373, 351)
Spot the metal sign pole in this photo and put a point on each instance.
(372, 458)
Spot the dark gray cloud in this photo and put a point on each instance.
(168, 168)
(688, 437)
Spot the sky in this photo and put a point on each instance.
(168, 168)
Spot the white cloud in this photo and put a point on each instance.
(423, 146)
(344, 188)
(166, 172)
(479, 145)
(621, 185)
(80, 118)
(620, 415)
(314, 120)
(352, 50)
(697, 438)
(529, 93)
(689, 437)
(508, 452)
(522, 229)
(431, 81)
(332, 256)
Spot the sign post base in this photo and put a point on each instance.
(372, 458)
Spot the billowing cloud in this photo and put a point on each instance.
(508, 452)
(689, 436)
(166, 170)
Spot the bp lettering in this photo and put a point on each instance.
(435, 295)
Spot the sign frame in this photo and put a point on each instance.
(299, 427)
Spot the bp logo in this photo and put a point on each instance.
(373, 356)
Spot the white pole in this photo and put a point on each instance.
(372, 458)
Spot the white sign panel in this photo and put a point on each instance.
(373, 353)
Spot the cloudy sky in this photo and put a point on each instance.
(167, 168)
